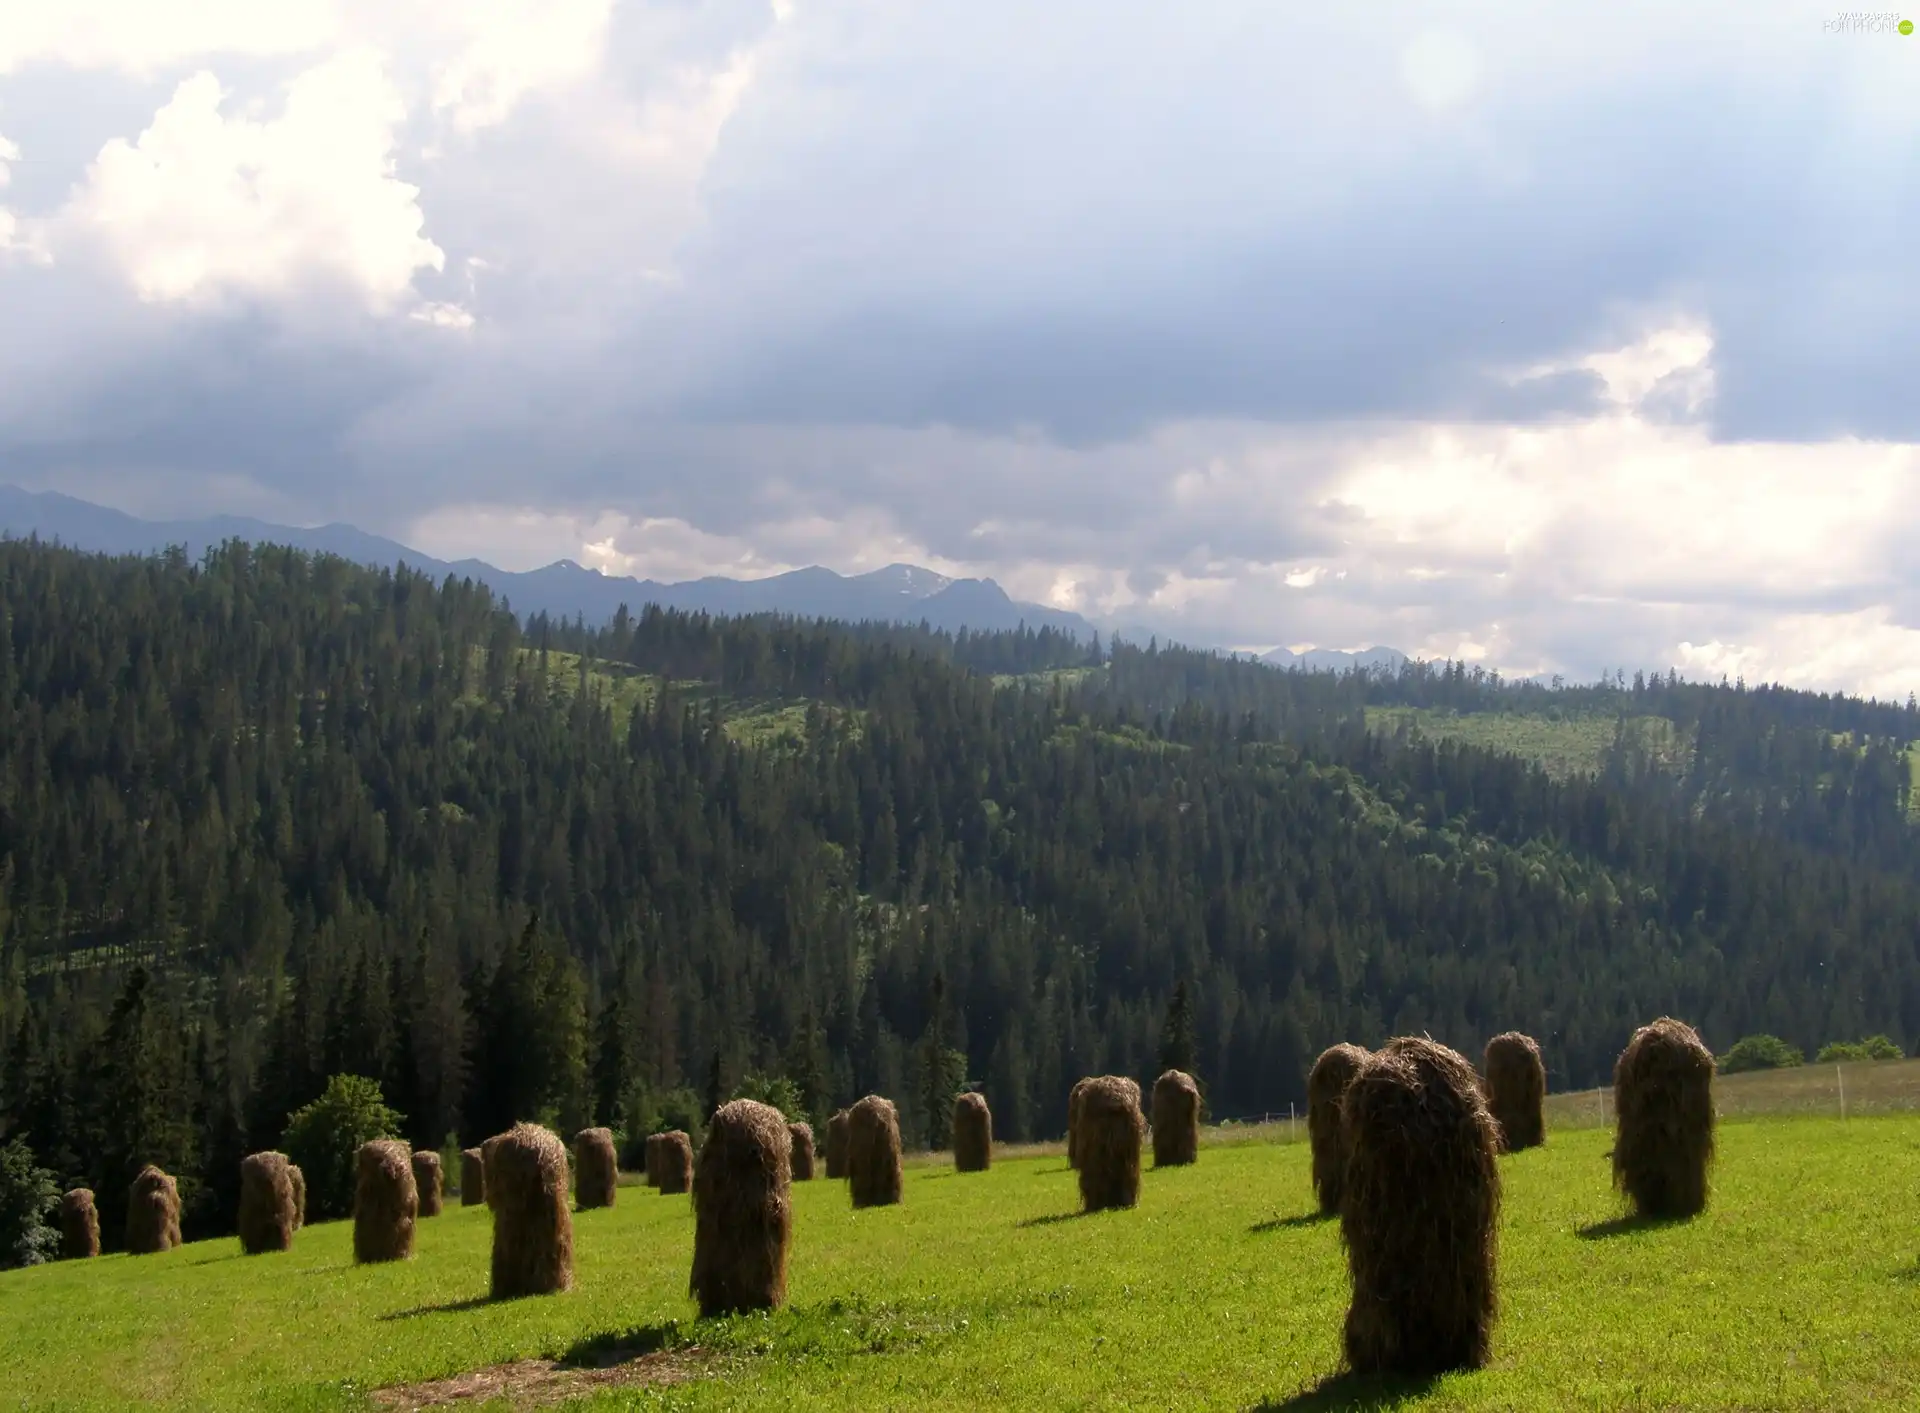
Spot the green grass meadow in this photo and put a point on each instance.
(1798, 1289)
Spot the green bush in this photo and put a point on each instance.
(323, 1137)
(27, 1197)
(1874, 1047)
(1761, 1052)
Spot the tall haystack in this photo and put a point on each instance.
(79, 1225)
(742, 1210)
(473, 1178)
(655, 1148)
(1663, 1106)
(1326, 1085)
(153, 1213)
(488, 1148)
(532, 1228)
(1516, 1080)
(596, 1168)
(1110, 1132)
(1074, 1096)
(873, 1152)
(268, 1215)
(837, 1144)
(298, 1181)
(802, 1161)
(972, 1134)
(1418, 1208)
(429, 1182)
(386, 1203)
(676, 1163)
(1176, 1119)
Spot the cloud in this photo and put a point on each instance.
(1550, 345)
(207, 203)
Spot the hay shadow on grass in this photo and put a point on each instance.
(1625, 1226)
(449, 1307)
(605, 1350)
(1049, 1220)
(1352, 1393)
(1305, 1219)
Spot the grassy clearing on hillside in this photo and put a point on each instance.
(752, 721)
(1857, 1089)
(1562, 744)
(1798, 1289)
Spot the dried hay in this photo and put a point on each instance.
(1419, 1205)
(596, 1168)
(837, 1144)
(1110, 1131)
(1663, 1105)
(532, 1228)
(1326, 1085)
(653, 1160)
(873, 1152)
(802, 1161)
(268, 1215)
(153, 1213)
(298, 1180)
(676, 1162)
(1074, 1096)
(743, 1210)
(1516, 1086)
(972, 1134)
(385, 1201)
(79, 1225)
(429, 1182)
(487, 1150)
(1176, 1120)
(473, 1178)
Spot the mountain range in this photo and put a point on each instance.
(901, 593)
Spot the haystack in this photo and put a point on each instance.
(742, 1210)
(972, 1134)
(1176, 1120)
(487, 1150)
(1663, 1103)
(298, 1181)
(1419, 1203)
(873, 1152)
(268, 1214)
(429, 1182)
(596, 1168)
(802, 1162)
(1109, 1134)
(1516, 1082)
(837, 1144)
(386, 1202)
(532, 1228)
(676, 1162)
(79, 1225)
(1328, 1082)
(473, 1178)
(153, 1213)
(1074, 1097)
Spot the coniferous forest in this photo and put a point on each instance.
(267, 819)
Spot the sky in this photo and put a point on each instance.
(1553, 343)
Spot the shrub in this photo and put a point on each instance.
(323, 1139)
(1760, 1052)
(28, 1196)
(1874, 1047)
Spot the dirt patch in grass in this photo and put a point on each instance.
(534, 1383)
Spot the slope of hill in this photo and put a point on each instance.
(269, 818)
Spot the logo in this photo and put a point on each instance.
(1866, 22)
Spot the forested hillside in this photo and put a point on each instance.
(265, 819)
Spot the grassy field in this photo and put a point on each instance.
(1561, 744)
(1799, 1289)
